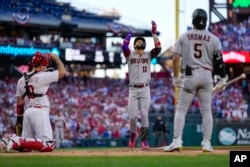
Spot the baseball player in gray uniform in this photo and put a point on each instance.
(33, 106)
(59, 124)
(139, 63)
(200, 53)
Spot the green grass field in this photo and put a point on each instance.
(147, 160)
(114, 161)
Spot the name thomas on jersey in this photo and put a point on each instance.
(198, 37)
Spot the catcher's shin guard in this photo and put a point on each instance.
(37, 145)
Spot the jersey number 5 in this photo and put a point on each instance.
(197, 50)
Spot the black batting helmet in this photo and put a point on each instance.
(143, 46)
(199, 19)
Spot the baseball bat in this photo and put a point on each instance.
(242, 76)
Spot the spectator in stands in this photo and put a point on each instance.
(234, 37)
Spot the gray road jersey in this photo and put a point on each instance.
(59, 120)
(196, 47)
(139, 68)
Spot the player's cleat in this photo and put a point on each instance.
(5, 141)
(176, 145)
(144, 145)
(3, 145)
(132, 140)
(206, 146)
(14, 143)
(48, 146)
(51, 144)
(10, 145)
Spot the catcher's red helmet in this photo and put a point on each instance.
(40, 59)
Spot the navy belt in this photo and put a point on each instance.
(200, 68)
(139, 85)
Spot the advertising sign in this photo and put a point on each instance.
(236, 57)
(13, 50)
(233, 134)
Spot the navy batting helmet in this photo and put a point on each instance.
(199, 18)
(143, 45)
(40, 59)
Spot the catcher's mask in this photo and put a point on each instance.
(143, 45)
(40, 59)
(199, 18)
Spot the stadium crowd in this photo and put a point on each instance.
(53, 11)
(96, 108)
(234, 37)
(85, 44)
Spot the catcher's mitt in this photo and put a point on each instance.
(19, 126)
(18, 129)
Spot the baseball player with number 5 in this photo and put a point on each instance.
(200, 52)
(33, 106)
(139, 63)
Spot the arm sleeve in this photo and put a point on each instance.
(125, 44)
(219, 65)
(155, 52)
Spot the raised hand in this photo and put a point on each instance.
(129, 35)
(131, 30)
(154, 27)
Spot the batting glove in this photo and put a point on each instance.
(154, 27)
(131, 30)
(177, 81)
(128, 36)
(221, 85)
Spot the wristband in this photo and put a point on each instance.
(157, 44)
(154, 35)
